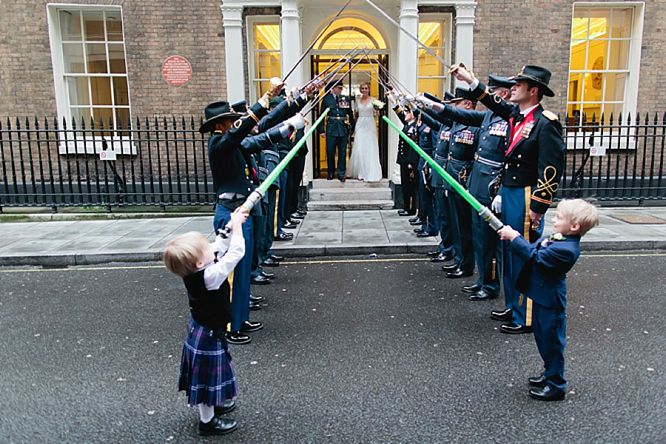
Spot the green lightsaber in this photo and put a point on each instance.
(483, 211)
(260, 191)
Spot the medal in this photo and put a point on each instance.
(527, 129)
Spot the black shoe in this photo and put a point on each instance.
(482, 295)
(473, 288)
(515, 329)
(418, 230)
(267, 274)
(217, 426)
(238, 338)
(284, 237)
(275, 257)
(255, 306)
(537, 381)
(547, 394)
(226, 407)
(260, 280)
(342, 179)
(254, 298)
(505, 315)
(302, 212)
(247, 326)
(270, 262)
(406, 213)
(296, 216)
(329, 177)
(433, 253)
(459, 273)
(441, 257)
(289, 224)
(425, 234)
(450, 267)
(416, 222)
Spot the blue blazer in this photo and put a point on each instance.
(543, 277)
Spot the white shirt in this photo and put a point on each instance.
(229, 253)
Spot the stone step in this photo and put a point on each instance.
(338, 194)
(349, 183)
(350, 205)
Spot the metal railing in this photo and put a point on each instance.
(163, 162)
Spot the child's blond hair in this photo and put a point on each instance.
(182, 253)
(578, 211)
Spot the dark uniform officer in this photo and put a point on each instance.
(534, 162)
(423, 190)
(339, 120)
(408, 160)
(483, 184)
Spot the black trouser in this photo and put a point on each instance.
(408, 181)
(294, 178)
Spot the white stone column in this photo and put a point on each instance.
(232, 21)
(291, 43)
(465, 11)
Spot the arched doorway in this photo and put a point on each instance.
(343, 35)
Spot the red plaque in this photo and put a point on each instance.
(176, 70)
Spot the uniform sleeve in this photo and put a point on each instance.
(265, 140)
(400, 113)
(242, 127)
(493, 102)
(280, 113)
(553, 257)
(215, 275)
(466, 117)
(550, 164)
(325, 103)
(433, 123)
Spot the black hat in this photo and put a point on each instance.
(536, 74)
(333, 83)
(463, 94)
(448, 96)
(432, 97)
(500, 82)
(217, 111)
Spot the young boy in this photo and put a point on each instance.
(543, 278)
(206, 372)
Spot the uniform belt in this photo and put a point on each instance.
(489, 162)
(440, 158)
(337, 118)
(230, 196)
(271, 152)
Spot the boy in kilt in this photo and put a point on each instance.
(206, 371)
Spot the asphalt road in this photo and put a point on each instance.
(359, 351)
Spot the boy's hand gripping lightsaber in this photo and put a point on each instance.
(483, 211)
(260, 191)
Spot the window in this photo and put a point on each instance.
(432, 75)
(603, 77)
(264, 53)
(89, 65)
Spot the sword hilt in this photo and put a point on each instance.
(490, 218)
(246, 206)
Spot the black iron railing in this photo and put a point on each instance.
(163, 162)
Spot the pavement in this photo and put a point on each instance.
(70, 239)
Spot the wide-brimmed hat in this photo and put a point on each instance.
(500, 82)
(463, 94)
(217, 111)
(536, 74)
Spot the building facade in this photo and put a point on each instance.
(116, 60)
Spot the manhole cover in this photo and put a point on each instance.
(639, 219)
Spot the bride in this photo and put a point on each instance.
(364, 161)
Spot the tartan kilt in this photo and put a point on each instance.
(206, 371)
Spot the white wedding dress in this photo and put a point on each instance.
(364, 160)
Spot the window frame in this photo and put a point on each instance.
(250, 21)
(83, 143)
(447, 19)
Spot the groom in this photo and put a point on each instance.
(340, 118)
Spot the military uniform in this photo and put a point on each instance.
(408, 160)
(533, 167)
(338, 122)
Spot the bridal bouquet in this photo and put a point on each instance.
(378, 104)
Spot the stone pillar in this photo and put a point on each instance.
(232, 21)
(465, 11)
(291, 43)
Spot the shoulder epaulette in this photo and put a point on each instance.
(549, 115)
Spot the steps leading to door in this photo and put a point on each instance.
(333, 195)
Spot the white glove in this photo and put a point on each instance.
(496, 205)
(391, 97)
(296, 121)
(426, 102)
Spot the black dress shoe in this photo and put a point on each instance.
(275, 257)
(226, 407)
(450, 267)
(515, 329)
(254, 298)
(260, 280)
(284, 237)
(537, 381)
(425, 234)
(255, 306)
(217, 426)
(547, 394)
(406, 213)
(505, 315)
(270, 262)
(267, 275)
(342, 179)
(329, 177)
(412, 220)
(418, 230)
(416, 222)
(441, 257)
(296, 216)
(247, 326)
(238, 338)
(289, 225)
(302, 212)
(482, 295)
(473, 288)
(433, 253)
(459, 273)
